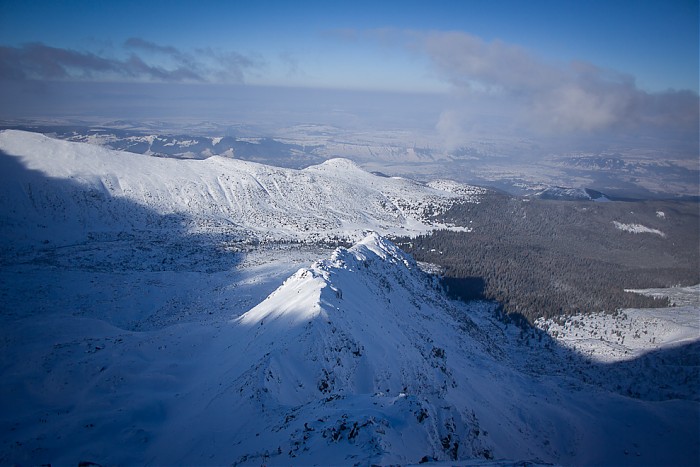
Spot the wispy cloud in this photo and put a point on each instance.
(229, 66)
(139, 43)
(144, 61)
(43, 62)
(291, 63)
(531, 93)
(552, 97)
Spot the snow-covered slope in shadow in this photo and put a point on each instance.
(360, 359)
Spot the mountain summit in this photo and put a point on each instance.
(360, 359)
(350, 360)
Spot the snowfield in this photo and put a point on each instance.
(147, 320)
(631, 333)
(638, 228)
(241, 199)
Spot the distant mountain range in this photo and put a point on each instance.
(184, 146)
(247, 201)
(516, 167)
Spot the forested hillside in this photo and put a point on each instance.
(548, 258)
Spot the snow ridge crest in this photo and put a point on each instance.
(353, 350)
(300, 296)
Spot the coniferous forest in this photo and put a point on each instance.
(551, 258)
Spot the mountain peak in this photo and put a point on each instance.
(353, 350)
(300, 299)
(375, 244)
(339, 163)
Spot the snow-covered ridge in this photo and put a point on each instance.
(333, 199)
(357, 359)
(360, 358)
(307, 283)
(347, 360)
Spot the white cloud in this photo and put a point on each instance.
(549, 97)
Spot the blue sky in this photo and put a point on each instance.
(331, 44)
(542, 68)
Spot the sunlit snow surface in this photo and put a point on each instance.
(130, 335)
(101, 187)
(630, 333)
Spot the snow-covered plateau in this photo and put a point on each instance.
(79, 187)
(134, 331)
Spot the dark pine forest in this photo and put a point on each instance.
(550, 258)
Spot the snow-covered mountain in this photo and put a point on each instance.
(129, 335)
(360, 359)
(263, 150)
(106, 189)
(355, 359)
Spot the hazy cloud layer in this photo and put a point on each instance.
(500, 90)
(552, 97)
(145, 61)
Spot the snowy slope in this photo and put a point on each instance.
(631, 333)
(360, 359)
(131, 336)
(355, 359)
(244, 199)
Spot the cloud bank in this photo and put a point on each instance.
(144, 61)
(551, 97)
(498, 89)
